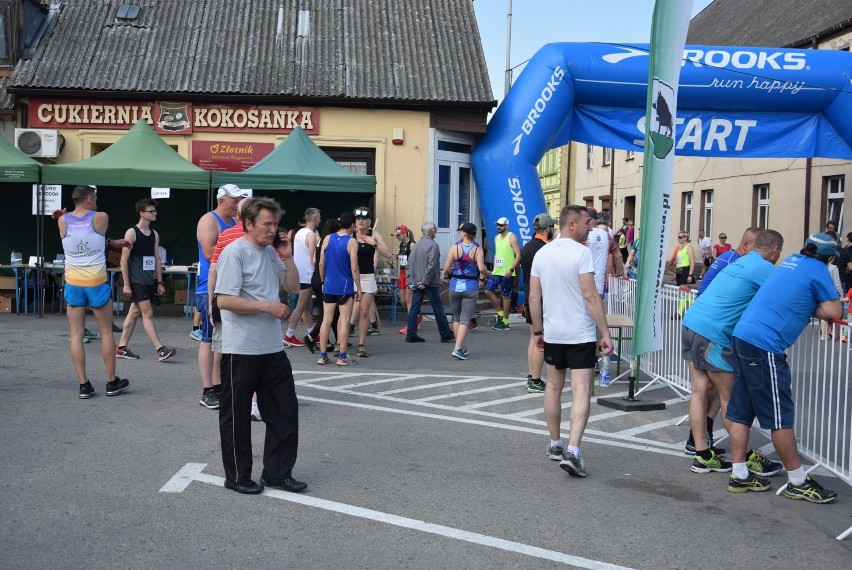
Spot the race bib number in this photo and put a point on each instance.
(148, 263)
(403, 261)
(498, 262)
(460, 286)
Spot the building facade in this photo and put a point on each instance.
(397, 91)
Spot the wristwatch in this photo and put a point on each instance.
(538, 333)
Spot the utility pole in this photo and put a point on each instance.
(508, 50)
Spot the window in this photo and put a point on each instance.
(707, 223)
(630, 155)
(590, 157)
(834, 201)
(607, 156)
(761, 200)
(687, 213)
(3, 51)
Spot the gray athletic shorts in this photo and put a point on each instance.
(463, 305)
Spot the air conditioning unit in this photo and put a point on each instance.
(45, 143)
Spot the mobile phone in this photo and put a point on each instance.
(276, 241)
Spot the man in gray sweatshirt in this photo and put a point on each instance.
(424, 278)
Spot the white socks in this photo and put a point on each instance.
(740, 471)
(797, 476)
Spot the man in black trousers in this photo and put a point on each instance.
(250, 273)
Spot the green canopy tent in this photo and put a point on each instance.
(22, 171)
(140, 158)
(137, 162)
(298, 164)
(15, 166)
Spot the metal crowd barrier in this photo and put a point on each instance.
(822, 377)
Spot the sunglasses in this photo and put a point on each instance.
(723, 237)
(362, 213)
(150, 211)
(681, 237)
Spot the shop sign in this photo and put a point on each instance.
(170, 117)
(228, 156)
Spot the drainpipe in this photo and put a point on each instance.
(612, 186)
(808, 166)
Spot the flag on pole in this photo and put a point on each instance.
(668, 35)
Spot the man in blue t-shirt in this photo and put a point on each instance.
(706, 335)
(721, 262)
(799, 289)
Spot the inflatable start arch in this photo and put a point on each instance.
(732, 102)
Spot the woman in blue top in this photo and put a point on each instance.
(465, 266)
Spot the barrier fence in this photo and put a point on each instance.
(821, 370)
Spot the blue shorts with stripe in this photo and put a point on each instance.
(762, 388)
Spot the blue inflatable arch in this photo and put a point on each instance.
(732, 102)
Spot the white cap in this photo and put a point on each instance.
(230, 191)
(503, 221)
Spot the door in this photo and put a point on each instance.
(454, 201)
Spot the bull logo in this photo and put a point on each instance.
(662, 120)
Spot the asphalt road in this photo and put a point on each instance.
(414, 460)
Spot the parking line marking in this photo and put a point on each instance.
(183, 478)
(403, 522)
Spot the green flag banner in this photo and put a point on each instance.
(668, 35)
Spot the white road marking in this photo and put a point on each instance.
(639, 446)
(442, 407)
(503, 401)
(183, 478)
(436, 385)
(382, 381)
(646, 427)
(403, 522)
(468, 392)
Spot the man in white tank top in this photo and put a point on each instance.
(83, 234)
(304, 249)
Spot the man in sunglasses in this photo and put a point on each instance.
(142, 274)
(507, 258)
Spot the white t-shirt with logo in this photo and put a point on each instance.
(600, 244)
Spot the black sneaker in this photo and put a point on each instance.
(810, 491)
(535, 385)
(573, 465)
(86, 390)
(164, 353)
(713, 464)
(117, 386)
(751, 483)
(124, 352)
(116, 328)
(210, 399)
(555, 452)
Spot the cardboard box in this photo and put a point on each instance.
(8, 283)
(7, 301)
(180, 297)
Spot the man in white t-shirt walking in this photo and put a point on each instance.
(304, 250)
(566, 308)
(605, 254)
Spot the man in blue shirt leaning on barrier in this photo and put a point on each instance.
(706, 335)
(799, 289)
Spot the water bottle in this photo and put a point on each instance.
(604, 366)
